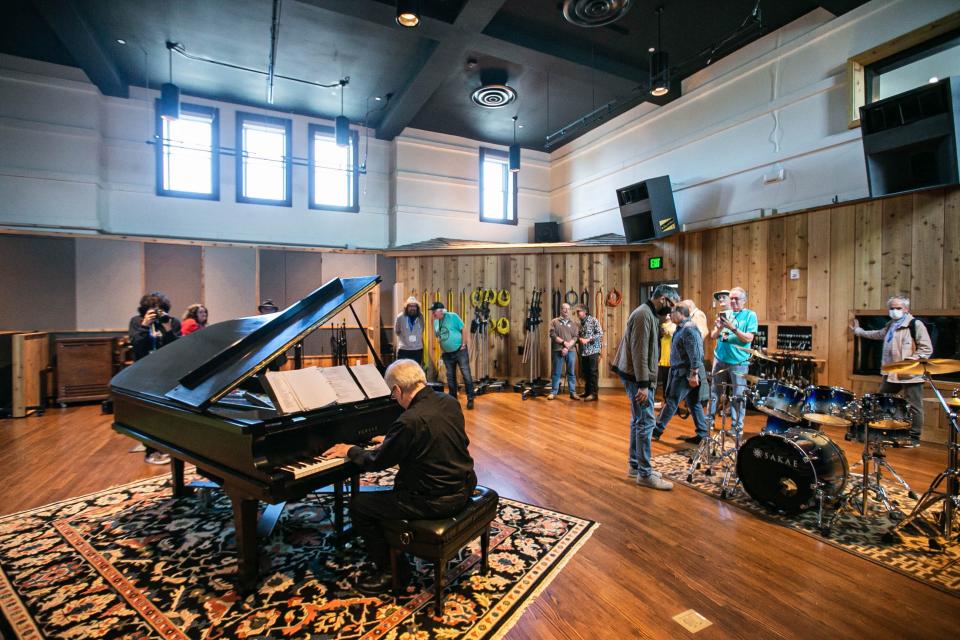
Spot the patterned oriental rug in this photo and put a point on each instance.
(132, 562)
(860, 536)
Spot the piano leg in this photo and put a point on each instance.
(338, 511)
(245, 523)
(176, 473)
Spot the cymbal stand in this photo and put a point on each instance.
(710, 450)
(858, 494)
(942, 529)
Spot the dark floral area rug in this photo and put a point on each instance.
(133, 562)
(863, 537)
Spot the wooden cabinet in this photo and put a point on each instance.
(84, 368)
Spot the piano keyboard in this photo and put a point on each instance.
(310, 466)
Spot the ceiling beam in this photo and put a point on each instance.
(78, 38)
(446, 58)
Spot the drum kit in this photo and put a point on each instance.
(792, 466)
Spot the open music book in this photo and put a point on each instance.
(299, 390)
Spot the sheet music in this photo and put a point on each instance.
(370, 380)
(301, 389)
(344, 386)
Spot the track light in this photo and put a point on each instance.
(514, 161)
(408, 13)
(342, 123)
(659, 64)
(169, 92)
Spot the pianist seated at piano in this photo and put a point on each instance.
(435, 479)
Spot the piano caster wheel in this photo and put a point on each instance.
(723, 494)
(708, 472)
(689, 477)
(912, 494)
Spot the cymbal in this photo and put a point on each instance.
(754, 352)
(933, 366)
(953, 402)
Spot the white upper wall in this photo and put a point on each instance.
(779, 103)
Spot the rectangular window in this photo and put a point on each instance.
(188, 153)
(927, 62)
(498, 188)
(264, 150)
(333, 171)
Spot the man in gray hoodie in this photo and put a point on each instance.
(636, 362)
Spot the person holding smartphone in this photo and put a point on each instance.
(734, 327)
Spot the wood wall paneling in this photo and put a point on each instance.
(926, 290)
(951, 250)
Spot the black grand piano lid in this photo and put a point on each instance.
(199, 369)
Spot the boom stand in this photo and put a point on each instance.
(942, 530)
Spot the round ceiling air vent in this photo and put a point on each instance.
(595, 13)
(493, 96)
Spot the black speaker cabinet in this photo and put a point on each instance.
(648, 210)
(546, 232)
(910, 140)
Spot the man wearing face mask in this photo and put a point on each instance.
(636, 362)
(904, 338)
(735, 329)
(408, 329)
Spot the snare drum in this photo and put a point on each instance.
(886, 412)
(783, 401)
(827, 405)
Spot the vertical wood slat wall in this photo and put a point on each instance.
(848, 256)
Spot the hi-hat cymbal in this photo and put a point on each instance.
(933, 366)
(754, 352)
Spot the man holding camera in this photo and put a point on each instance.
(734, 327)
(153, 327)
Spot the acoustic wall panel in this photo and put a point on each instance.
(174, 269)
(109, 283)
(38, 283)
(230, 282)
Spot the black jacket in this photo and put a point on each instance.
(143, 343)
(429, 443)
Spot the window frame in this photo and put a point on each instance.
(195, 109)
(244, 117)
(511, 193)
(354, 207)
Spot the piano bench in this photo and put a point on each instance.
(439, 540)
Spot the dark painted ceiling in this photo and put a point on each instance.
(566, 76)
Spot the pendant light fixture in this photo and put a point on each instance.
(408, 13)
(169, 92)
(514, 162)
(342, 123)
(659, 64)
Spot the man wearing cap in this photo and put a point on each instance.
(408, 329)
(448, 327)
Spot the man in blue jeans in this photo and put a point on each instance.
(733, 328)
(686, 375)
(448, 327)
(636, 362)
(564, 333)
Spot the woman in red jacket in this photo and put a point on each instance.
(194, 319)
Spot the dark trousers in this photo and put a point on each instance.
(589, 367)
(369, 509)
(461, 359)
(663, 375)
(411, 354)
(913, 392)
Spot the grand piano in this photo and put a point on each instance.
(188, 400)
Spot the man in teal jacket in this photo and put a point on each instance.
(448, 327)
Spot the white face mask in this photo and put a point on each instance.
(896, 314)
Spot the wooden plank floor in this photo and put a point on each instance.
(655, 554)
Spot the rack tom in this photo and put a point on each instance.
(828, 405)
(783, 401)
(886, 412)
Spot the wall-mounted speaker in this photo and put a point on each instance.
(647, 210)
(910, 140)
(546, 232)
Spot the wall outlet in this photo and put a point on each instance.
(794, 274)
(777, 176)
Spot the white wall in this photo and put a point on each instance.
(437, 180)
(780, 102)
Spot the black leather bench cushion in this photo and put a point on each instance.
(479, 512)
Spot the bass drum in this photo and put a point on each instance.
(781, 471)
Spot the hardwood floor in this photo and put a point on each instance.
(655, 554)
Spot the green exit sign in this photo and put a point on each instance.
(655, 263)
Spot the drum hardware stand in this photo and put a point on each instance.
(713, 449)
(942, 529)
(858, 495)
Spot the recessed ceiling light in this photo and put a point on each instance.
(378, 98)
(121, 41)
(520, 125)
(934, 80)
(652, 49)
